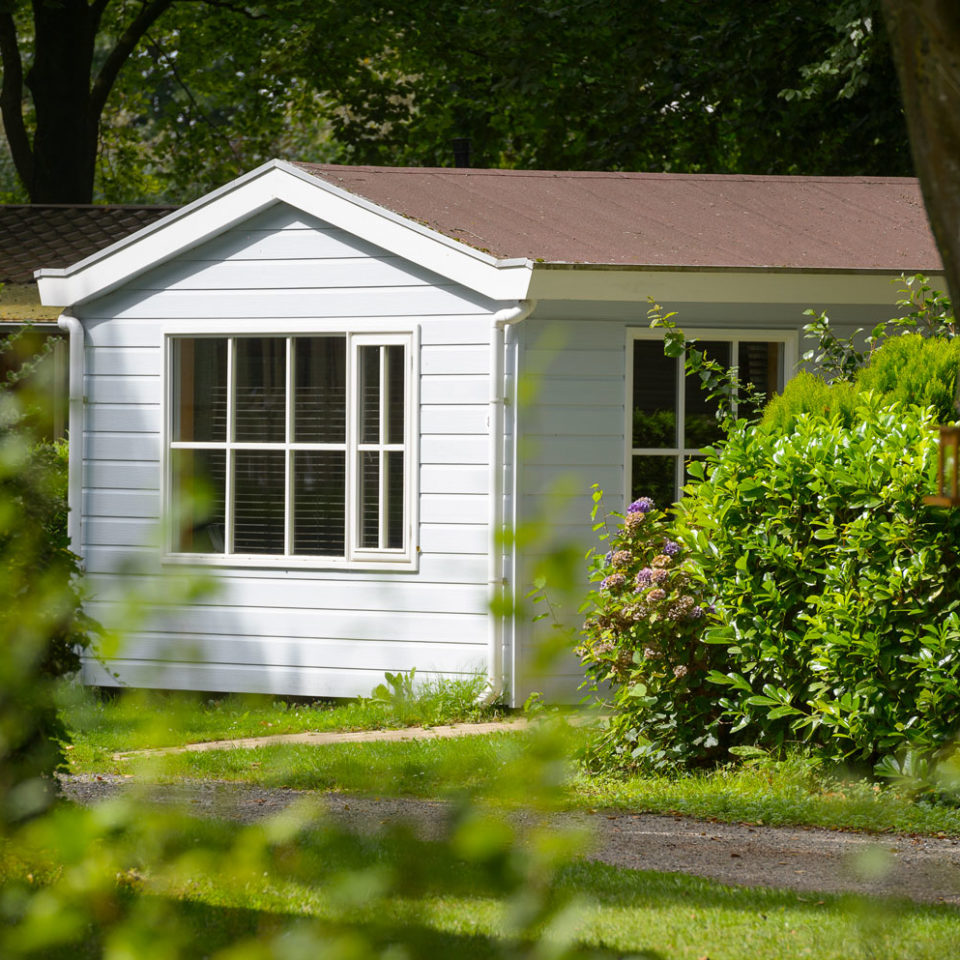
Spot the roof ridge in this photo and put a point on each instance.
(597, 174)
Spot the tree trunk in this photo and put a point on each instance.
(925, 35)
(67, 127)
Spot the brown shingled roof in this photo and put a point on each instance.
(57, 235)
(659, 219)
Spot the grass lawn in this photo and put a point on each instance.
(393, 889)
(793, 792)
(140, 719)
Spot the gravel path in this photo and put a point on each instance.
(925, 869)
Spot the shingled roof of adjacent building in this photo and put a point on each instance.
(57, 235)
(659, 219)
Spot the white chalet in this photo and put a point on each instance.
(374, 372)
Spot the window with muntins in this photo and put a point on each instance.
(670, 419)
(291, 447)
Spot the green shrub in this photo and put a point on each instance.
(810, 393)
(838, 605)
(906, 369)
(915, 369)
(831, 601)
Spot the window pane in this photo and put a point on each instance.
(654, 477)
(198, 499)
(369, 394)
(261, 389)
(654, 396)
(394, 505)
(258, 495)
(319, 479)
(200, 388)
(761, 364)
(370, 499)
(320, 394)
(395, 392)
(700, 424)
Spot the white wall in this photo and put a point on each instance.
(298, 630)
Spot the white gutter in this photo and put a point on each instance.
(500, 321)
(70, 324)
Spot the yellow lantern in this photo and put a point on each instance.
(948, 470)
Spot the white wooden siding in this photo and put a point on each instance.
(302, 630)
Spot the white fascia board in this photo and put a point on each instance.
(281, 182)
(715, 285)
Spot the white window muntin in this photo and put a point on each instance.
(789, 339)
(354, 556)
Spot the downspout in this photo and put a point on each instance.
(500, 321)
(71, 325)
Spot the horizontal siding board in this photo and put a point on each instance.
(289, 681)
(131, 333)
(460, 331)
(433, 568)
(453, 538)
(305, 654)
(454, 419)
(454, 389)
(455, 360)
(574, 450)
(593, 419)
(266, 243)
(607, 391)
(124, 361)
(230, 593)
(123, 417)
(273, 621)
(123, 389)
(122, 503)
(121, 532)
(574, 363)
(122, 446)
(453, 508)
(441, 449)
(469, 478)
(121, 474)
(267, 304)
(348, 272)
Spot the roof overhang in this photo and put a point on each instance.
(563, 281)
(280, 182)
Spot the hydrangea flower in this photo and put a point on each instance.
(643, 505)
(696, 613)
(607, 557)
(651, 653)
(633, 521)
(614, 582)
(671, 548)
(644, 577)
(658, 575)
(680, 672)
(656, 595)
(661, 560)
(622, 558)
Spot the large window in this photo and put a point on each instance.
(670, 420)
(291, 447)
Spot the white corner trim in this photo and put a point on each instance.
(280, 182)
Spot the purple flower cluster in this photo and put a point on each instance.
(671, 548)
(643, 505)
(644, 577)
(614, 582)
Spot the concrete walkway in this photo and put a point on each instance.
(324, 739)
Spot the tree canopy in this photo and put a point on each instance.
(126, 100)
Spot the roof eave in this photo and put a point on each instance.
(278, 181)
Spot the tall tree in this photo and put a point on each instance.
(926, 42)
(151, 99)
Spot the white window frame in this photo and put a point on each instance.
(789, 339)
(355, 558)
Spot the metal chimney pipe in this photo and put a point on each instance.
(461, 151)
